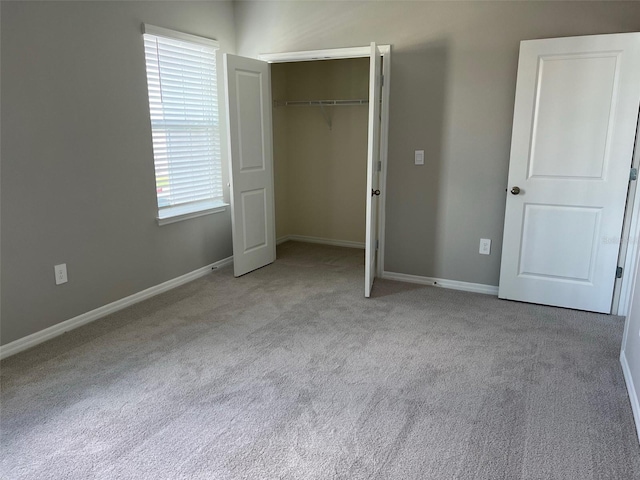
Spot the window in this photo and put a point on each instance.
(183, 105)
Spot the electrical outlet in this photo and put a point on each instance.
(485, 246)
(61, 273)
(419, 157)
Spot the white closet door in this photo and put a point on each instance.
(248, 88)
(372, 169)
(574, 126)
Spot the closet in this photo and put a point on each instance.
(320, 120)
(325, 120)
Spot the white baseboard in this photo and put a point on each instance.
(633, 397)
(322, 241)
(441, 282)
(100, 312)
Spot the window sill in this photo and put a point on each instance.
(180, 213)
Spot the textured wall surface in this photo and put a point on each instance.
(78, 183)
(77, 164)
(453, 75)
(631, 350)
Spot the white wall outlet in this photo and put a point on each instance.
(419, 157)
(485, 246)
(61, 273)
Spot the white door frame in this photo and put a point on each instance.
(630, 241)
(357, 52)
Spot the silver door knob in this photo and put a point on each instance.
(375, 192)
(515, 190)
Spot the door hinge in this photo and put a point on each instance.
(377, 243)
(633, 175)
(619, 272)
(382, 80)
(379, 165)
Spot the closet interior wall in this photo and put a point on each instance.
(320, 158)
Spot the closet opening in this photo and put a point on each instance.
(316, 113)
(320, 126)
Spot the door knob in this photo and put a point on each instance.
(515, 190)
(375, 192)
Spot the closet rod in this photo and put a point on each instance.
(318, 103)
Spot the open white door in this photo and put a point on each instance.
(248, 89)
(574, 125)
(372, 169)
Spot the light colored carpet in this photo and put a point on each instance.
(289, 372)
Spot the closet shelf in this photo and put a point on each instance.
(318, 103)
(321, 104)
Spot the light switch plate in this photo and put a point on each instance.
(419, 157)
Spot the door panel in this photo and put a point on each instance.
(373, 156)
(562, 147)
(250, 120)
(547, 226)
(251, 163)
(572, 142)
(254, 219)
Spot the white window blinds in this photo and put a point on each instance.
(183, 103)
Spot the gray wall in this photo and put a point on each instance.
(78, 184)
(631, 345)
(77, 164)
(453, 73)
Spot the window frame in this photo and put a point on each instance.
(175, 213)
